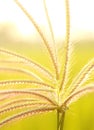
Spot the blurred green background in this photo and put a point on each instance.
(80, 115)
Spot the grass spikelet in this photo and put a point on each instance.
(67, 44)
(28, 62)
(17, 101)
(22, 92)
(40, 33)
(25, 114)
(78, 94)
(42, 88)
(52, 35)
(26, 82)
(21, 106)
(82, 76)
(30, 74)
(2, 98)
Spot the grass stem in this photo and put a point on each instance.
(61, 124)
(57, 119)
(60, 120)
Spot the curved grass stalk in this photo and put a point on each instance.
(23, 92)
(40, 33)
(4, 97)
(26, 114)
(46, 90)
(10, 103)
(21, 106)
(30, 94)
(30, 74)
(82, 76)
(49, 23)
(39, 90)
(26, 82)
(20, 101)
(76, 95)
(46, 76)
(19, 63)
(64, 73)
(52, 35)
(10, 62)
(29, 62)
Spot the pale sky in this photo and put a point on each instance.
(82, 15)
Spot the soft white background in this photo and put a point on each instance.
(82, 15)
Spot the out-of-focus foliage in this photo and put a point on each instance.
(30, 87)
(80, 115)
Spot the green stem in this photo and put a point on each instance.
(61, 124)
(57, 119)
(60, 120)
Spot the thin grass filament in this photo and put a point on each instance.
(78, 94)
(28, 62)
(24, 105)
(26, 82)
(17, 101)
(23, 71)
(53, 38)
(35, 95)
(67, 42)
(26, 114)
(82, 76)
(24, 92)
(40, 33)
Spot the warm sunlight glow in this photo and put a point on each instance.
(82, 18)
(42, 67)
